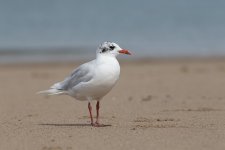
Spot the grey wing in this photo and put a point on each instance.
(81, 74)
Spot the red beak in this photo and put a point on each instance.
(124, 51)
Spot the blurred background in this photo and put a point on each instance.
(56, 30)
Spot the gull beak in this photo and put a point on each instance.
(124, 51)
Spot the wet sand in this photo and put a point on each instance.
(156, 105)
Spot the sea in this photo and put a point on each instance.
(62, 30)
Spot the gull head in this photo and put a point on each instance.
(111, 49)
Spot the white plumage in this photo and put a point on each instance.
(94, 79)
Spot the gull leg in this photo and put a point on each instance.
(90, 111)
(97, 111)
(97, 124)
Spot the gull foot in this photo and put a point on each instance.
(97, 124)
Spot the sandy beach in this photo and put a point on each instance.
(158, 105)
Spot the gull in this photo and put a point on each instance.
(92, 80)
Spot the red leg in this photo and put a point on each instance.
(90, 111)
(97, 110)
(97, 124)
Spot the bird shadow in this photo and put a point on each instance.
(71, 125)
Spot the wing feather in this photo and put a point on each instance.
(82, 74)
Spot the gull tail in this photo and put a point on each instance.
(52, 92)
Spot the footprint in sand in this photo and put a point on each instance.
(144, 123)
(52, 148)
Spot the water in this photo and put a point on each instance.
(147, 27)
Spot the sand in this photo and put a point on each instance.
(157, 105)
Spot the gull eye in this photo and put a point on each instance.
(112, 47)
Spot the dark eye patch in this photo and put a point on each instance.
(104, 50)
(112, 47)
